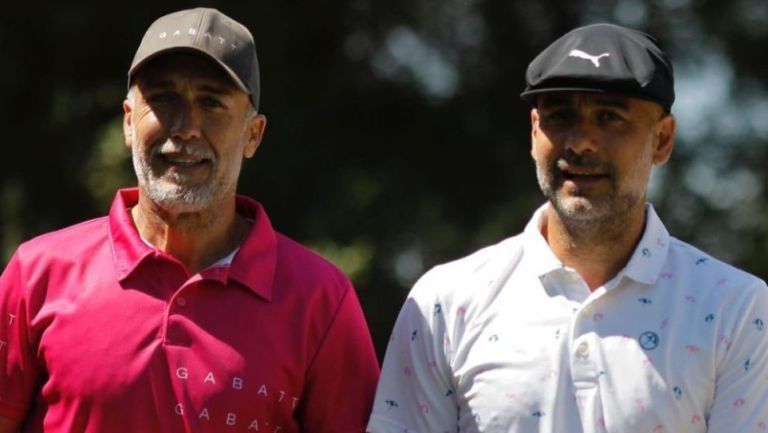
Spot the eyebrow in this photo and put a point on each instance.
(216, 90)
(156, 83)
(613, 102)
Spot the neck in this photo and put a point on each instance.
(196, 239)
(597, 250)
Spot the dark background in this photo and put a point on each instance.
(396, 139)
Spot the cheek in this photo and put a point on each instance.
(147, 128)
(637, 165)
(537, 156)
(230, 137)
(542, 150)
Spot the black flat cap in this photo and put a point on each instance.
(603, 58)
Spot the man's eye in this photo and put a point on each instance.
(212, 102)
(609, 116)
(159, 98)
(560, 116)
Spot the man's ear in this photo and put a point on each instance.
(664, 139)
(127, 123)
(255, 133)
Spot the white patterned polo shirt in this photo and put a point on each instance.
(508, 339)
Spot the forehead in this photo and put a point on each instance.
(175, 68)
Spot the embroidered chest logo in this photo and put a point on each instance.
(595, 59)
(648, 340)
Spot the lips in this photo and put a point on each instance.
(183, 155)
(183, 160)
(582, 175)
(581, 172)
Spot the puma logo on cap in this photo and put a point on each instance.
(582, 55)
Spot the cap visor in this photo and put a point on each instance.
(170, 50)
(530, 95)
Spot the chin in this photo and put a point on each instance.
(178, 199)
(180, 206)
(578, 208)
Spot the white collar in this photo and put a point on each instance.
(644, 266)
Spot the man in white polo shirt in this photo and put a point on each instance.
(594, 319)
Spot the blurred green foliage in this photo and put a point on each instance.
(396, 139)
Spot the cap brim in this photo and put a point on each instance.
(530, 95)
(138, 65)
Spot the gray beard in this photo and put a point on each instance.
(594, 222)
(173, 196)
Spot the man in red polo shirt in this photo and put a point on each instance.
(183, 310)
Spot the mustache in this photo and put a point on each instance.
(197, 150)
(581, 162)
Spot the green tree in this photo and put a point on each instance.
(396, 138)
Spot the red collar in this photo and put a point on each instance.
(253, 265)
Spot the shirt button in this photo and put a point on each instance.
(181, 302)
(583, 350)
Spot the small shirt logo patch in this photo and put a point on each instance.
(648, 340)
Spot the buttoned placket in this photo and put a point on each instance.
(583, 351)
(177, 306)
(180, 304)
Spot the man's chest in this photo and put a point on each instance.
(624, 361)
(207, 355)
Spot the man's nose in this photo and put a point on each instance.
(582, 137)
(186, 122)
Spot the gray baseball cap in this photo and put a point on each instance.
(603, 58)
(210, 33)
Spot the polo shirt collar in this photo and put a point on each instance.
(253, 265)
(128, 249)
(647, 262)
(645, 265)
(538, 256)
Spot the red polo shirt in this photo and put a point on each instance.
(99, 332)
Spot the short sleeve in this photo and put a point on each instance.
(341, 379)
(18, 366)
(740, 404)
(415, 392)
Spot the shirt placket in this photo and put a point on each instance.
(584, 362)
(176, 332)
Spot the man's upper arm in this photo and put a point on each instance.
(415, 392)
(18, 367)
(741, 391)
(342, 378)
